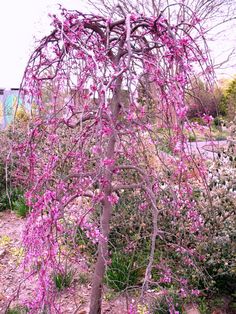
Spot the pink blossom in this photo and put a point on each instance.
(113, 199)
(181, 112)
(207, 119)
(108, 162)
(195, 292)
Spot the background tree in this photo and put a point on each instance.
(228, 101)
(203, 99)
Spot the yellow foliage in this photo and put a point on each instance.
(21, 114)
(5, 240)
(142, 309)
(18, 253)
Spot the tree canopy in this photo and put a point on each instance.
(95, 139)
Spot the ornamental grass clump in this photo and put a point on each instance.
(63, 280)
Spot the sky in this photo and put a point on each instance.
(23, 21)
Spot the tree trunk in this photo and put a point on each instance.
(97, 282)
(96, 294)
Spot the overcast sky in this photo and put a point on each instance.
(22, 20)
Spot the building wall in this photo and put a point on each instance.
(8, 105)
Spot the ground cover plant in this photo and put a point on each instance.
(93, 155)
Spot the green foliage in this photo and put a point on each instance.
(4, 201)
(227, 106)
(215, 273)
(110, 295)
(20, 207)
(218, 121)
(192, 138)
(198, 120)
(14, 200)
(7, 199)
(4, 198)
(122, 274)
(128, 227)
(63, 279)
(223, 106)
(2, 177)
(8, 164)
(85, 244)
(17, 310)
(203, 306)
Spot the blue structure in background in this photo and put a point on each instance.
(9, 102)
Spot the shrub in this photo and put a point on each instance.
(7, 199)
(227, 104)
(20, 207)
(14, 200)
(4, 201)
(218, 245)
(217, 121)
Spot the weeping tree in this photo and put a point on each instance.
(94, 138)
